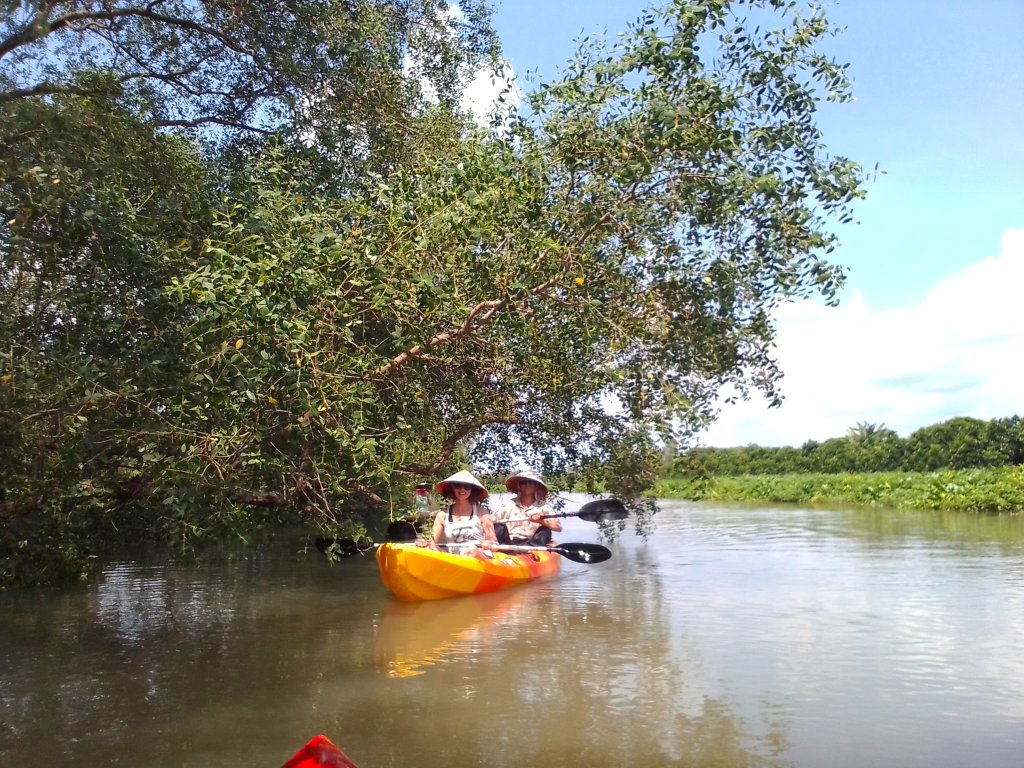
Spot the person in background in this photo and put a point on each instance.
(465, 524)
(523, 514)
(422, 504)
(423, 509)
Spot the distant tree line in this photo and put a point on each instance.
(960, 443)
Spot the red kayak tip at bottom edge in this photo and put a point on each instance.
(319, 752)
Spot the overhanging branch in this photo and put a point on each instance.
(451, 443)
(477, 317)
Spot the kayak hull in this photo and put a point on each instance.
(416, 573)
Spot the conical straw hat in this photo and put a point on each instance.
(462, 477)
(512, 484)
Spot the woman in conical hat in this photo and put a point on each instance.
(466, 521)
(479, 492)
(523, 514)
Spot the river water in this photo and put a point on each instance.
(733, 637)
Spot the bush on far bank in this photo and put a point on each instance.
(998, 489)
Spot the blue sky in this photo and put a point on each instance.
(930, 325)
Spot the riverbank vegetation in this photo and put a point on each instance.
(968, 490)
(961, 464)
(257, 265)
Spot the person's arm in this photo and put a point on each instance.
(487, 523)
(437, 533)
(554, 523)
(503, 512)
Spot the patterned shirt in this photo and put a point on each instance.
(514, 516)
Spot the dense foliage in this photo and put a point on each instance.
(960, 443)
(966, 490)
(250, 273)
(333, 72)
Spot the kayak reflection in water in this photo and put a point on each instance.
(465, 526)
(319, 752)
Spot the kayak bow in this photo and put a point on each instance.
(418, 573)
(319, 752)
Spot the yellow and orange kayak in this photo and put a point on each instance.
(417, 573)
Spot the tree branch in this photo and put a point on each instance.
(477, 316)
(68, 20)
(261, 499)
(13, 509)
(451, 443)
(34, 30)
(210, 120)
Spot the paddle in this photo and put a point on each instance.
(398, 531)
(342, 547)
(578, 552)
(402, 531)
(599, 511)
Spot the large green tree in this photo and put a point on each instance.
(97, 213)
(587, 277)
(567, 288)
(120, 124)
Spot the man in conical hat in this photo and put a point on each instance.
(523, 514)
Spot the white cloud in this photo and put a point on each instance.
(491, 93)
(957, 353)
(488, 94)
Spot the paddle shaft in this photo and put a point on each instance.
(541, 517)
(600, 510)
(579, 552)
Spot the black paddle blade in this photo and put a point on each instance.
(336, 548)
(602, 510)
(400, 531)
(583, 552)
